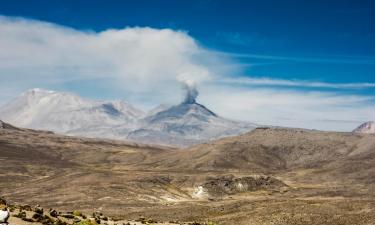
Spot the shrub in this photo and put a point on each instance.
(77, 213)
(86, 222)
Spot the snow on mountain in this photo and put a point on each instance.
(366, 128)
(186, 124)
(157, 109)
(69, 114)
(181, 125)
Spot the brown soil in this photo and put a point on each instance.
(267, 176)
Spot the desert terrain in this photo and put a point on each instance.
(266, 176)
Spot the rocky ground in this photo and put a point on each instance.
(268, 176)
(27, 215)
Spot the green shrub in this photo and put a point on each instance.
(86, 222)
(77, 213)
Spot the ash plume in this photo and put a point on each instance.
(191, 92)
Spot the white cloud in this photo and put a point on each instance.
(314, 110)
(145, 65)
(294, 83)
(139, 60)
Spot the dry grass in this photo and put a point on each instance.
(329, 177)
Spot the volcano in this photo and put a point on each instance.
(181, 125)
(186, 124)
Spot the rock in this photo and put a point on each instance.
(3, 201)
(21, 215)
(67, 215)
(53, 213)
(27, 219)
(194, 223)
(47, 220)
(104, 218)
(97, 214)
(60, 222)
(4, 213)
(38, 217)
(38, 209)
(25, 207)
(76, 220)
(11, 208)
(4, 216)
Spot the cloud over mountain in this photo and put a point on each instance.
(135, 59)
(146, 67)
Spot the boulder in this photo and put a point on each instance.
(53, 213)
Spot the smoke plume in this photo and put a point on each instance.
(191, 92)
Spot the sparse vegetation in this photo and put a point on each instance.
(77, 213)
(269, 176)
(86, 222)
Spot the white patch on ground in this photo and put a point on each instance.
(240, 186)
(104, 198)
(199, 192)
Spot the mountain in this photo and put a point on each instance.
(7, 126)
(69, 114)
(186, 124)
(366, 128)
(157, 109)
(181, 125)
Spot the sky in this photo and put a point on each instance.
(289, 63)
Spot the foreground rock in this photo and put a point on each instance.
(24, 215)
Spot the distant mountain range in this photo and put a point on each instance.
(366, 128)
(181, 125)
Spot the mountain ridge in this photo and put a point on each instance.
(180, 125)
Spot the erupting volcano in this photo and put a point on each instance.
(181, 125)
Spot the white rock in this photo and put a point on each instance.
(4, 215)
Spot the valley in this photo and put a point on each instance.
(266, 176)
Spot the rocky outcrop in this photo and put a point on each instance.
(228, 185)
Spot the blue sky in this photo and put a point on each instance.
(322, 51)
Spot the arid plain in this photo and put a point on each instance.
(266, 176)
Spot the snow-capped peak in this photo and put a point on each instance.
(158, 108)
(366, 128)
(180, 125)
(63, 112)
(126, 108)
(186, 124)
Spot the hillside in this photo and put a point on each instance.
(267, 176)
